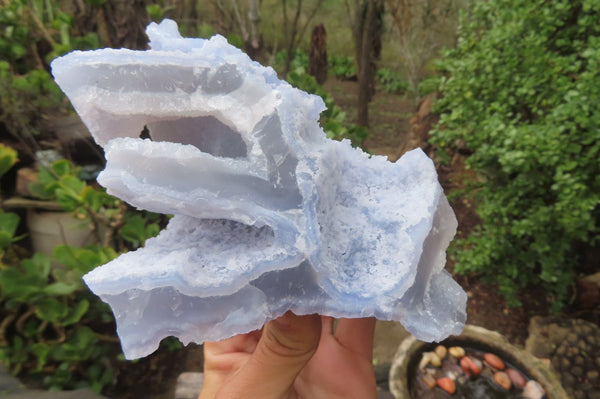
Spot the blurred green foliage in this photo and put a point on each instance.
(429, 84)
(392, 82)
(32, 33)
(521, 93)
(342, 67)
(51, 320)
(54, 330)
(105, 213)
(156, 12)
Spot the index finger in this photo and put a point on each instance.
(238, 343)
(357, 335)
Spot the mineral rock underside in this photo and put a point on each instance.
(269, 214)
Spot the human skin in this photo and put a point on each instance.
(294, 357)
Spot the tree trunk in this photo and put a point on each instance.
(293, 32)
(126, 22)
(185, 12)
(290, 31)
(253, 44)
(118, 23)
(370, 50)
(357, 20)
(243, 18)
(318, 54)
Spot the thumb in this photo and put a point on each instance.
(285, 346)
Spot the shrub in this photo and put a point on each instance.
(521, 93)
(53, 326)
(392, 82)
(54, 330)
(31, 34)
(23, 98)
(300, 60)
(341, 67)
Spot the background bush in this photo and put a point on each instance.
(521, 93)
(54, 330)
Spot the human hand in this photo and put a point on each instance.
(293, 357)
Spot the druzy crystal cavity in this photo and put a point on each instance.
(269, 214)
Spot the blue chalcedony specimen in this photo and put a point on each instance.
(269, 214)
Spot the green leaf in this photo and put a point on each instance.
(51, 310)
(60, 289)
(46, 176)
(66, 276)
(80, 260)
(38, 266)
(91, 198)
(66, 352)
(73, 186)
(77, 313)
(155, 12)
(8, 225)
(8, 157)
(106, 254)
(88, 259)
(41, 352)
(134, 229)
(85, 337)
(62, 167)
(5, 239)
(17, 50)
(46, 185)
(19, 286)
(69, 194)
(67, 255)
(38, 190)
(152, 230)
(66, 201)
